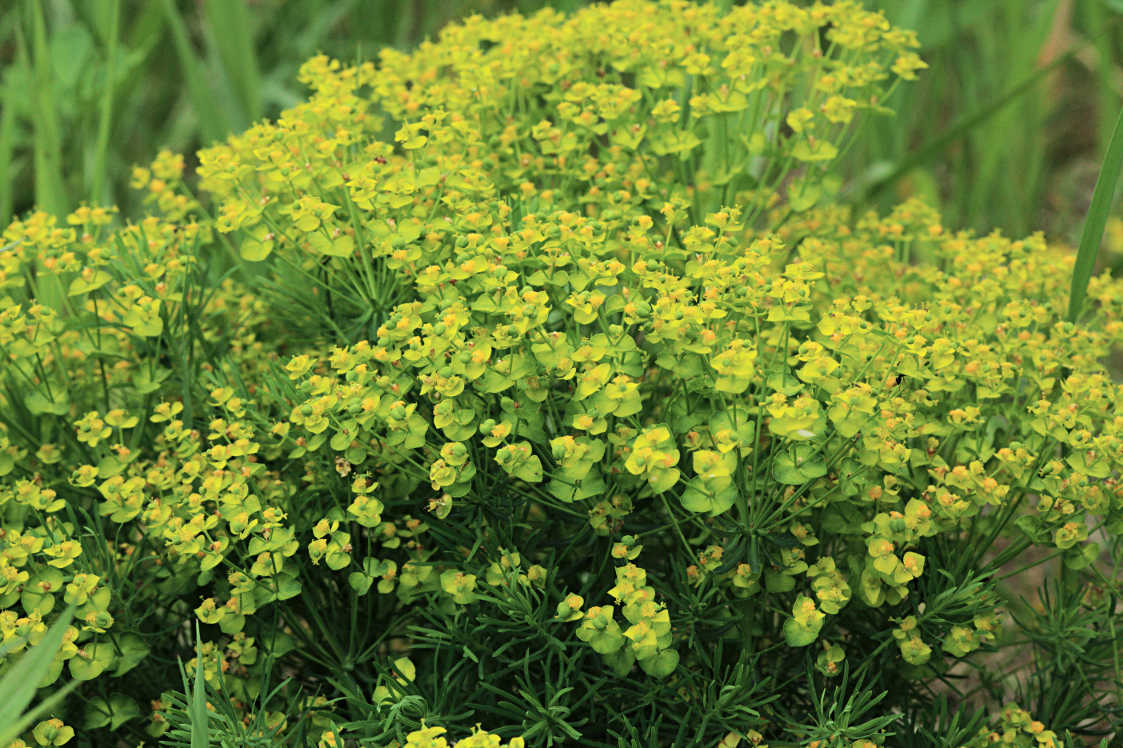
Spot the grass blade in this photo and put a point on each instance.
(200, 723)
(212, 125)
(50, 192)
(7, 136)
(1094, 222)
(24, 722)
(962, 126)
(229, 22)
(19, 684)
(98, 178)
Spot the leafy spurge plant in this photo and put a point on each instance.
(538, 379)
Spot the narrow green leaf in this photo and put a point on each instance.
(964, 125)
(45, 707)
(1095, 221)
(229, 25)
(212, 124)
(50, 193)
(1095, 16)
(98, 179)
(7, 137)
(200, 724)
(18, 686)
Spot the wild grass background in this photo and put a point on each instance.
(1005, 130)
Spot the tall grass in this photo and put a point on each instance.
(1006, 128)
(20, 681)
(1005, 131)
(1094, 223)
(90, 87)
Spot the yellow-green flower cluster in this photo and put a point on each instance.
(471, 324)
(432, 737)
(1016, 727)
(646, 641)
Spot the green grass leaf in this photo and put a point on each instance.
(50, 192)
(212, 125)
(18, 686)
(8, 105)
(97, 178)
(200, 722)
(229, 25)
(1095, 221)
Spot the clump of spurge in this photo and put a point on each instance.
(536, 380)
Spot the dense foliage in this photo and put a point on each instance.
(538, 380)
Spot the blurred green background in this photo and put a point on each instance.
(1005, 130)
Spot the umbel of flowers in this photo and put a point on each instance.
(537, 380)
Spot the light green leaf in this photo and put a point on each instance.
(340, 246)
(804, 194)
(81, 285)
(133, 651)
(258, 244)
(113, 711)
(39, 405)
(661, 665)
(531, 470)
(359, 582)
(39, 592)
(797, 634)
(91, 661)
(821, 150)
